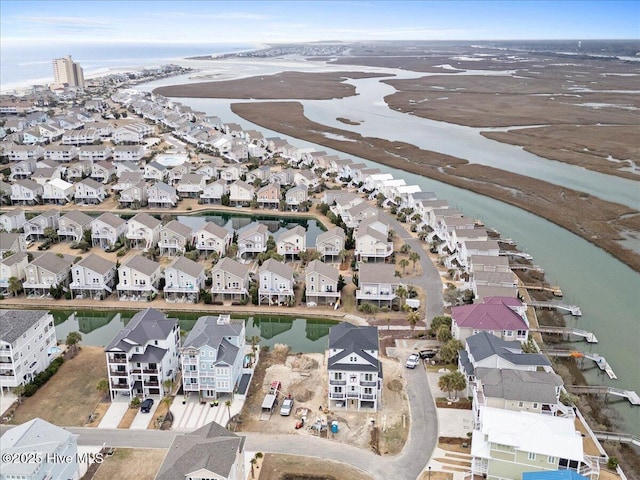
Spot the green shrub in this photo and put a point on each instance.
(612, 463)
(30, 389)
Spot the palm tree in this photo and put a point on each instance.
(253, 462)
(228, 405)
(404, 263)
(444, 334)
(415, 258)
(458, 381)
(343, 255)
(15, 286)
(72, 341)
(413, 317)
(444, 384)
(103, 387)
(449, 351)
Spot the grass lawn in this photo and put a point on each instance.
(283, 467)
(70, 396)
(129, 463)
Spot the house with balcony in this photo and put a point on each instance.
(175, 174)
(295, 197)
(230, 279)
(493, 279)
(94, 153)
(57, 192)
(329, 244)
(90, 192)
(107, 230)
(174, 238)
(377, 284)
(321, 283)
(103, 171)
(191, 185)
(51, 443)
(496, 319)
(488, 263)
(261, 173)
(34, 228)
(213, 238)
(138, 278)
(232, 173)
(508, 443)
(19, 153)
(372, 241)
(209, 172)
(44, 174)
(72, 225)
(12, 220)
(27, 339)
(184, 279)
(253, 239)
(211, 452)
(143, 355)
(291, 242)
(518, 390)
(269, 196)
(128, 153)
(12, 242)
(61, 153)
(77, 171)
(134, 196)
(26, 192)
(276, 282)
(354, 368)
(143, 231)
(162, 195)
(477, 247)
(212, 357)
(22, 169)
(241, 193)
(213, 192)
(93, 277)
(46, 271)
(124, 168)
(308, 179)
(15, 265)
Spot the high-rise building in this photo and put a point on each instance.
(67, 71)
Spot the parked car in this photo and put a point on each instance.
(145, 406)
(427, 354)
(412, 361)
(287, 406)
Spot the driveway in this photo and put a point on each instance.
(141, 420)
(114, 414)
(192, 414)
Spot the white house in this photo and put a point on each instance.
(26, 192)
(371, 244)
(275, 283)
(212, 238)
(191, 185)
(174, 238)
(230, 279)
(355, 371)
(103, 171)
(72, 225)
(12, 220)
(138, 279)
(213, 192)
(143, 355)
(58, 192)
(296, 196)
(377, 284)
(93, 277)
(14, 265)
(35, 227)
(90, 192)
(131, 153)
(46, 271)
(107, 229)
(161, 195)
(330, 243)
(143, 231)
(292, 242)
(321, 283)
(241, 193)
(253, 239)
(184, 279)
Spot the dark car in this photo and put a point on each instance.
(145, 407)
(427, 354)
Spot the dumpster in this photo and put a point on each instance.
(334, 426)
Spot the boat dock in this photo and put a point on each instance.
(599, 360)
(513, 253)
(545, 288)
(572, 309)
(617, 437)
(535, 268)
(633, 397)
(588, 336)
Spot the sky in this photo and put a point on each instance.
(25, 22)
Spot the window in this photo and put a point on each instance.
(535, 404)
(531, 456)
(520, 404)
(551, 459)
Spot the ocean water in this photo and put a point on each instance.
(23, 66)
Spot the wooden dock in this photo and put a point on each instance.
(513, 253)
(534, 268)
(545, 288)
(588, 336)
(572, 309)
(599, 360)
(630, 395)
(617, 437)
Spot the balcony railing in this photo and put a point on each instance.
(367, 396)
(337, 396)
(337, 382)
(368, 383)
(353, 394)
(116, 373)
(117, 359)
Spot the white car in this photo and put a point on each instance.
(412, 361)
(287, 405)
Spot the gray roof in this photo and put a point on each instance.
(335, 231)
(256, 227)
(164, 187)
(90, 182)
(111, 219)
(484, 345)
(212, 448)
(151, 354)
(97, 264)
(215, 229)
(14, 323)
(7, 239)
(179, 228)
(228, 264)
(27, 183)
(149, 324)
(278, 268)
(13, 259)
(142, 264)
(191, 177)
(52, 262)
(519, 385)
(208, 332)
(78, 217)
(322, 268)
(187, 266)
(297, 230)
(378, 273)
(353, 339)
(147, 220)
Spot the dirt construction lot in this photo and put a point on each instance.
(126, 463)
(304, 376)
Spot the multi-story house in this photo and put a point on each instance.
(329, 244)
(35, 227)
(175, 174)
(295, 197)
(184, 279)
(57, 192)
(12, 220)
(103, 171)
(213, 192)
(241, 193)
(94, 153)
(44, 174)
(46, 271)
(14, 265)
(353, 216)
(27, 339)
(321, 283)
(52, 444)
(306, 178)
(269, 196)
(213, 238)
(496, 319)
(128, 153)
(84, 136)
(275, 283)
(191, 185)
(143, 231)
(126, 167)
(212, 357)
(22, 169)
(18, 153)
(355, 371)
(232, 173)
(26, 192)
(486, 263)
(162, 195)
(134, 196)
(93, 277)
(155, 171)
(174, 238)
(90, 192)
(230, 279)
(72, 225)
(253, 239)
(77, 171)
(372, 245)
(107, 229)
(144, 355)
(138, 279)
(377, 284)
(61, 153)
(219, 452)
(292, 242)
(261, 173)
(507, 444)
(12, 242)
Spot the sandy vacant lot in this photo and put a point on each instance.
(133, 464)
(303, 468)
